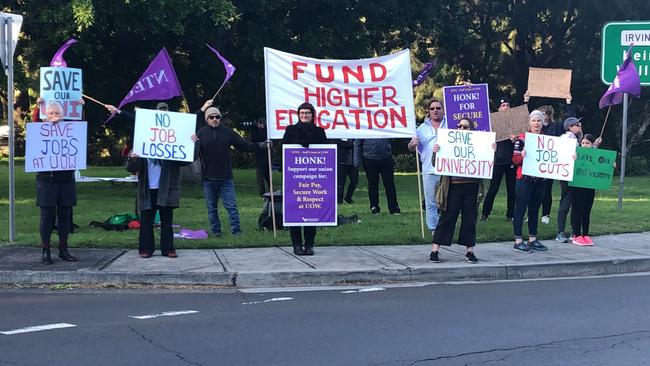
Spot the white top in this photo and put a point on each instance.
(153, 173)
(428, 137)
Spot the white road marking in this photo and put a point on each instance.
(369, 289)
(167, 313)
(268, 300)
(38, 328)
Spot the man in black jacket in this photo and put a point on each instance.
(213, 148)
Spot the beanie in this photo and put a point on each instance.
(210, 111)
(536, 113)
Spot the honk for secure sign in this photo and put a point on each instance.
(55, 146)
(465, 153)
(164, 135)
(549, 157)
(367, 98)
(62, 85)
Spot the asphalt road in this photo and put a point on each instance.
(603, 321)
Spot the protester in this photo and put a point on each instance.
(502, 167)
(454, 196)
(56, 194)
(346, 170)
(377, 158)
(582, 204)
(304, 133)
(426, 136)
(159, 184)
(573, 128)
(530, 191)
(262, 167)
(213, 149)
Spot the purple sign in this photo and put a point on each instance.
(309, 185)
(467, 101)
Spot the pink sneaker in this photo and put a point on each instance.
(588, 240)
(578, 240)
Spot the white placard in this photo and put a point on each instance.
(164, 135)
(465, 153)
(62, 85)
(55, 146)
(367, 98)
(549, 156)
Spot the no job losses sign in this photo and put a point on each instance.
(164, 135)
(368, 98)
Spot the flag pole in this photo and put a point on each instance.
(602, 130)
(93, 100)
(623, 153)
(417, 164)
(215, 94)
(268, 154)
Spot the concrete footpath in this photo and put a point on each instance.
(344, 265)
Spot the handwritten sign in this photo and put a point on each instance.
(465, 153)
(467, 101)
(510, 122)
(164, 135)
(55, 146)
(552, 83)
(367, 98)
(549, 157)
(62, 85)
(594, 168)
(309, 185)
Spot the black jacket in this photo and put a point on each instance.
(169, 189)
(213, 149)
(304, 134)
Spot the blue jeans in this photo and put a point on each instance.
(529, 197)
(213, 189)
(429, 182)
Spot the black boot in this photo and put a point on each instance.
(309, 249)
(47, 258)
(66, 256)
(297, 250)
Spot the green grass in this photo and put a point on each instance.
(98, 201)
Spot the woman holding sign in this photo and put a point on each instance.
(530, 191)
(454, 196)
(56, 194)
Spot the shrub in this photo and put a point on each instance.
(405, 163)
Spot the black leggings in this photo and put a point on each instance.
(581, 210)
(461, 200)
(46, 226)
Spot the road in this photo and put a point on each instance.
(598, 321)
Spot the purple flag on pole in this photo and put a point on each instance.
(626, 81)
(424, 73)
(159, 81)
(230, 69)
(57, 60)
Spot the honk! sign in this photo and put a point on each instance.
(549, 157)
(368, 98)
(164, 135)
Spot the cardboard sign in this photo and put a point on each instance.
(368, 98)
(467, 101)
(55, 146)
(552, 83)
(465, 153)
(164, 135)
(510, 122)
(594, 168)
(62, 85)
(549, 157)
(309, 185)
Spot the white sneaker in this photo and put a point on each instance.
(546, 220)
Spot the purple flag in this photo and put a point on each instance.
(159, 81)
(626, 81)
(424, 73)
(230, 69)
(57, 60)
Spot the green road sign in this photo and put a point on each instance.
(617, 37)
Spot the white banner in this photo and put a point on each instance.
(164, 135)
(465, 153)
(368, 98)
(55, 146)
(62, 85)
(549, 157)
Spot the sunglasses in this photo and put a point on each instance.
(463, 127)
(214, 117)
(579, 124)
(435, 108)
